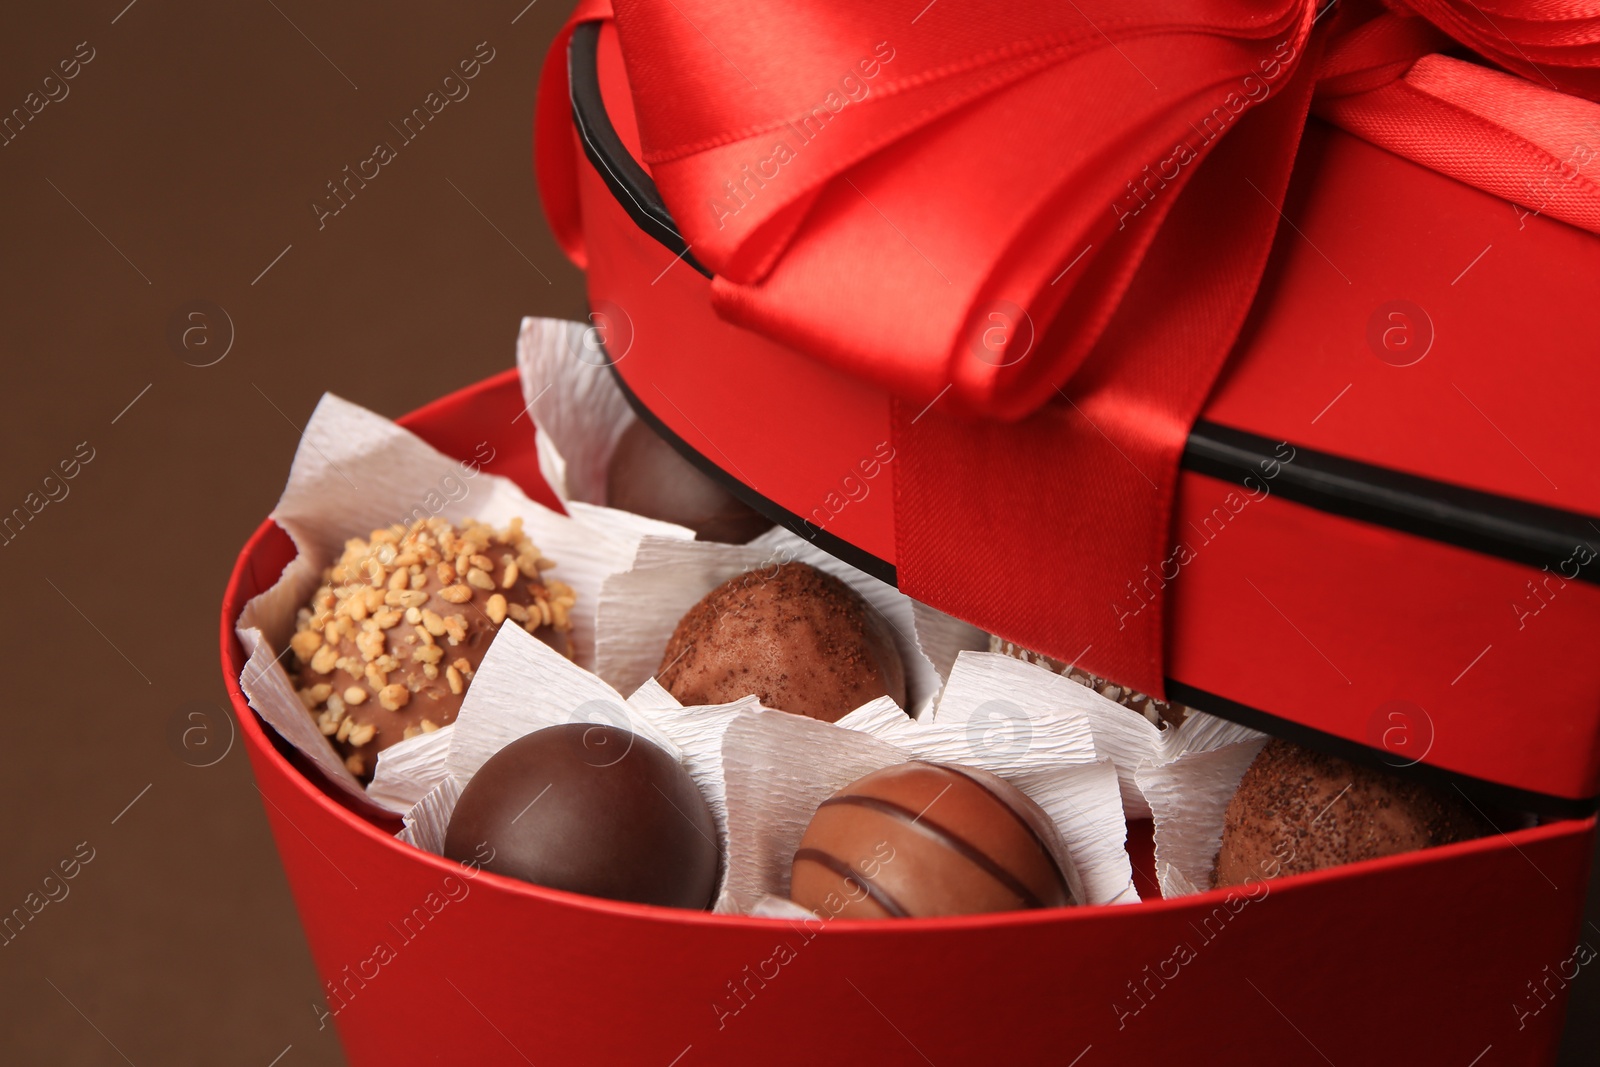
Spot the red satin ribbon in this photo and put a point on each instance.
(1053, 217)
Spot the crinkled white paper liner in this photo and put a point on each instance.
(523, 686)
(781, 767)
(1182, 777)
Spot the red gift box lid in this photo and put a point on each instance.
(1415, 348)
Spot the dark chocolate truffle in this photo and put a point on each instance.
(1297, 810)
(648, 477)
(1159, 712)
(386, 648)
(921, 839)
(798, 639)
(590, 809)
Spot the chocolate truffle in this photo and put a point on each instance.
(921, 839)
(590, 809)
(1159, 712)
(798, 639)
(648, 477)
(387, 647)
(1297, 810)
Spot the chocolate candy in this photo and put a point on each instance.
(921, 839)
(1297, 810)
(798, 639)
(386, 648)
(590, 809)
(648, 477)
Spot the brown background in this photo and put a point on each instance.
(182, 162)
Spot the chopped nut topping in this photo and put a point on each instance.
(496, 609)
(394, 697)
(429, 726)
(324, 660)
(355, 695)
(356, 763)
(370, 645)
(455, 594)
(434, 624)
(479, 578)
(360, 735)
(453, 676)
(305, 643)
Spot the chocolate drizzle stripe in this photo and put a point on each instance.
(948, 838)
(1049, 857)
(876, 893)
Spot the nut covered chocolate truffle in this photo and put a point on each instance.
(387, 647)
(1297, 810)
(798, 639)
(648, 477)
(922, 839)
(590, 809)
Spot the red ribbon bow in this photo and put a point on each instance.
(1054, 217)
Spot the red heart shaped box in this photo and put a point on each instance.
(1431, 957)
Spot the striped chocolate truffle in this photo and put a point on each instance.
(923, 839)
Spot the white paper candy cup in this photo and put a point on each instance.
(1188, 790)
(579, 414)
(781, 767)
(1182, 777)
(356, 471)
(523, 686)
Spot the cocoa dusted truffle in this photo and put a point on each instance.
(1159, 712)
(922, 839)
(798, 639)
(1297, 810)
(590, 809)
(648, 477)
(387, 647)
